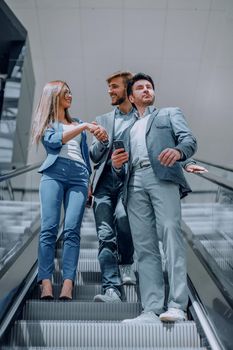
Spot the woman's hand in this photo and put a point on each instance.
(91, 127)
(97, 130)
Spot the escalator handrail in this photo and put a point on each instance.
(19, 171)
(209, 176)
(218, 180)
(223, 167)
(19, 299)
(210, 333)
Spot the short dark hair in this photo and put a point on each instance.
(136, 77)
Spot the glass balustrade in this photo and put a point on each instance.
(209, 214)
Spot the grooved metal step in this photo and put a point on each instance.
(84, 253)
(82, 324)
(90, 265)
(92, 348)
(88, 277)
(58, 310)
(86, 244)
(87, 292)
(104, 335)
(86, 238)
(86, 265)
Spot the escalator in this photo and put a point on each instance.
(83, 324)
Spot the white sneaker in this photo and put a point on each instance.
(127, 274)
(173, 315)
(145, 317)
(110, 296)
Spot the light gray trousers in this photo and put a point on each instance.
(154, 213)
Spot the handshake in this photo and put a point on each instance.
(97, 130)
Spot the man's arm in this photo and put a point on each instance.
(186, 144)
(191, 166)
(98, 149)
(99, 146)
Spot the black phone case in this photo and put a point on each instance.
(118, 144)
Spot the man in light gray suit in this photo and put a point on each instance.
(115, 241)
(158, 141)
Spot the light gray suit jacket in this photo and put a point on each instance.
(166, 128)
(99, 152)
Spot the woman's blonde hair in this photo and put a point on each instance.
(47, 109)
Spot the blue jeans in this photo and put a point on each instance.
(66, 181)
(115, 241)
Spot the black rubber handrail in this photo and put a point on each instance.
(223, 167)
(218, 180)
(19, 171)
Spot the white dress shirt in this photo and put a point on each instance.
(138, 140)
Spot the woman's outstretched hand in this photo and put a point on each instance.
(91, 127)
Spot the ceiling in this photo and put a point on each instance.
(186, 45)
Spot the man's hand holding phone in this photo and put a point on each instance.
(119, 155)
(90, 201)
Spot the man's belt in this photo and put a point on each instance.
(142, 164)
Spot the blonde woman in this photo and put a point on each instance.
(65, 177)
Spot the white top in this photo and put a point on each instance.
(138, 140)
(71, 149)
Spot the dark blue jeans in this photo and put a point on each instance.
(66, 181)
(113, 230)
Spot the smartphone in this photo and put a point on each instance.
(90, 202)
(118, 144)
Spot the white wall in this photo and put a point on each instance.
(186, 45)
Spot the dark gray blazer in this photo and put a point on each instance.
(167, 128)
(99, 151)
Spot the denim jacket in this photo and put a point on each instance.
(52, 142)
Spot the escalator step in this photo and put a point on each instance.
(58, 310)
(219, 244)
(88, 227)
(84, 253)
(94, 348)
(105, 335)
(90, 237)
(90, 265)
(88, 277)
(87, 292)
(84, 244)
(89, 245)
(86, 265)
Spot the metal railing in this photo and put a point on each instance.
(19, 171)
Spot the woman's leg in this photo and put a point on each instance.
(74, 205)
(51, 195)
